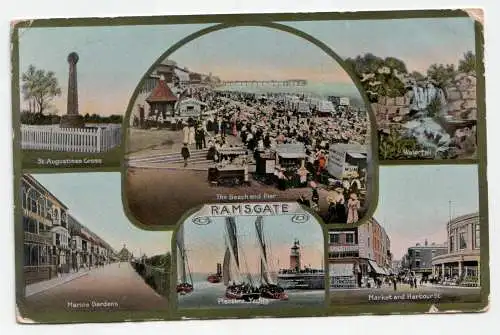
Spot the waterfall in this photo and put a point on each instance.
(423, 96)
(428, 133)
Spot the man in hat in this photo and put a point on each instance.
(185, 154)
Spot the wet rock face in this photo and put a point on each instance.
(461, 96)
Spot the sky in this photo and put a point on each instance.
(413, 202)
(205, 244)
(114, 59)
(94, 199)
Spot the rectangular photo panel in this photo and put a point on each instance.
(81, 254)
(247, 262)
(423, 245)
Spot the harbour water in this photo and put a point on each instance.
(208, 295)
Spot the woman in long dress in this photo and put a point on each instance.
(185, 134)
(191, 136)
(353, 206)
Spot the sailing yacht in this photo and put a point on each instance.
(236, 288)
(268, 289)
(185, 284)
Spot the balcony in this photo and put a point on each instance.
(38, 217)
(343, 248)
(42, 238)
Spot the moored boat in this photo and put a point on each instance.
(215, 277)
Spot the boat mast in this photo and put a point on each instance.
(182, 254)
(264, 268)
(233, 243)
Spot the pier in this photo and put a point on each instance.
(283, 83)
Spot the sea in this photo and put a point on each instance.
(319, 90)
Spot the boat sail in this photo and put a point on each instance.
(185, 279)
(226, 273)
(268, 288)
(265, 276)
(236, 289)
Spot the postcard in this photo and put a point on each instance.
(249, 165)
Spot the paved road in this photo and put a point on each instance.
(405, 294)
(114, 287)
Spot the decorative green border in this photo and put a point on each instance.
(255, 20)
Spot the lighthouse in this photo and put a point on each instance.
(295, 256)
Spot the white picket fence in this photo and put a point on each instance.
(100, 138)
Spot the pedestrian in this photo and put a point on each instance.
(185, 154)
(394, 284)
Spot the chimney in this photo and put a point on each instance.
(426, 242)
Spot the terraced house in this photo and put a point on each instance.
(55, 243)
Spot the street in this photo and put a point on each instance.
(114, 287)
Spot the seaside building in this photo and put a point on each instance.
(419, 257)
(346, 160)
(54, 241)
(357, 253)
(461, 259)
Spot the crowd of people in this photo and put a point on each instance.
(263, 122)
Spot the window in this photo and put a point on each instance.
(32, 202)
(477, 236)
(417, 264)
(58, 239)
(349, 238)
(417, 253)
(463, 240)
(452, 243)
(334, 238)
(24, 195)
(368, 242)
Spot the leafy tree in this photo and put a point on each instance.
(378, 83)
(396, 64)
(393, 146)
(417, 76)
(468, 63)
(39, 87)
(434, 107)
(441, 74)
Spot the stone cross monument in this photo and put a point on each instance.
(72, 119)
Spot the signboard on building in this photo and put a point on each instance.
(344, 101)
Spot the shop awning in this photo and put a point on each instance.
(357, 155)
(377, 269)
(289, 155)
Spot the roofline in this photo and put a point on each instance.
(32, 180)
